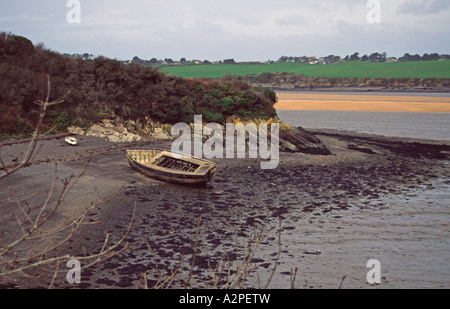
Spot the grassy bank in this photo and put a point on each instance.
(414, 69)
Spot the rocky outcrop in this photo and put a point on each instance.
(114, 134)
(292, 139)
(296, 139)
(109, 132)
(127, 132)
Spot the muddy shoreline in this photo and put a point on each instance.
(354, 89)
(313, 198)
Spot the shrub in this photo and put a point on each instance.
(12, 124)
(213, 117)
(60, 120)
(128, 91)
(227, 104)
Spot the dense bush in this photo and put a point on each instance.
(105, 88)
(11, 123)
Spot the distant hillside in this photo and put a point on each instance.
(350, 69)
(104, 88)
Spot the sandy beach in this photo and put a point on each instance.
(374, 198)
(361, 102)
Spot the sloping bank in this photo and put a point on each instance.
(291, 139)
(122, 102)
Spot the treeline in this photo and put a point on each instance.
(425, 57)
(182, 61)
(104, 88)
(374, 57)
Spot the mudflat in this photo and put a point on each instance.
(360, 102)
(373, 198)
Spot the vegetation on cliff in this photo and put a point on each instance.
(100, 88)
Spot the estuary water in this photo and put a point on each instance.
(434, 126)
(409, 234)
(419, 125)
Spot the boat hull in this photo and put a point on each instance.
(150, 163)
(71, 141)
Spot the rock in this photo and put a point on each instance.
(288, 145)
(316, 252)
(109, 132)
(130, 138)
(76, 130)
(124, 138)
(99, 130)
(158, 133)
(113, 139)
(360, 149)
(303, 141)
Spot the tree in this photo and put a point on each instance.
(332, 59)
(229, 61)
(87, 56)
(19, 46)
(137, 60)
(428, 57)
(377, 57)
(408, 57)
(355, 57)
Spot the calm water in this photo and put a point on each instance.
(409, 235)
(413, 125)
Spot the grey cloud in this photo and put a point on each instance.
(423, 7)
(292, 20)
(243, 30)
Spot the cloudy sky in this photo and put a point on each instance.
(241, 29)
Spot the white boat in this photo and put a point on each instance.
(71, 140)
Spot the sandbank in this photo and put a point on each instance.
(358, 102)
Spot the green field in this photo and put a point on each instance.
(413, 69)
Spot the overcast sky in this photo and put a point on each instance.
(241, 29)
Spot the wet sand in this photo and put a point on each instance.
(358, 102)
(375, 197)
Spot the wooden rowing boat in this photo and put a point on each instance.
(171, 167)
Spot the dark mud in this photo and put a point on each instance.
(306, 202)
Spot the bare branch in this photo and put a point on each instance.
(32, 145)
(30, 245)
